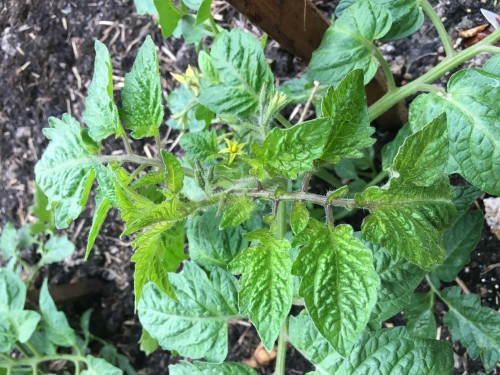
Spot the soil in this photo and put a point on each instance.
(46, 61)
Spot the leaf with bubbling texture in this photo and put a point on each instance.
(287, 152)
(476, 327)
(473, 117)
(398, 280)
(196, 325)
(237, 210)
(101, 114)
(348, 44)
(209, 245)
(201, 145)
(203, 368)
(238, 59)
(390, 351)
(64, 173)
(407, 16)
(420, 315)
(156, 255)
(142, 97)
(409, 220)
(299, 217)
(266, 284)
(350, 131)
(459, 241)
(174, 173)
(339, 283)
(422, 157)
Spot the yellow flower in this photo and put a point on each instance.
(190, 79)
(233, 149)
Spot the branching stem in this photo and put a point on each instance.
(438, 24)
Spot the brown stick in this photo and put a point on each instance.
(298, 26)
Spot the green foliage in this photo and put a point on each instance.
(420, 315)
(203, 368)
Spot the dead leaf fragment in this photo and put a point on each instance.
(260, 357)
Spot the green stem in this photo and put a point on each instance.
(378, 178)
(136, 159)
(35, 352)
(281, 351)
(391, 83)
(438, 24)
(34, 361)
(328, 177)
(283, 121)
(215, 29)
(392, 98)
(158, 142)
(126, 141)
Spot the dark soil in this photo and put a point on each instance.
(46, 63)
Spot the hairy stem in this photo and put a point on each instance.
(158, 143)
(281, 351)
(438, 24)
(136, 159)
(392, 98)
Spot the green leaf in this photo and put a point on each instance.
(204, 12)
(208, 245)
(299, 217)
(420, 315)
(64, 172)
(459, 241)
(472, 112)
(54, 322)
(203, 368)
(45, 217)
(56, 250)
(12, 291)
(409, 220)
(390, 150)
(8, 241)
(287, 152)
(155, 256)
(398, 280)
(339, 283)
(196, 326)
(147, 344)
(298, 90)
(201, 145)
(421, 159)
(174, 173)
(465, 196)
(476, 327)
(98, 366)
(350, 131)
(110, 354)
(384, 352)
(170, 16)
(237, 210)
(266, 284)
(101, 113)
(407, 16)
(192, 31)
(102, 207)
(493, 65)
(183, 107)
(239, 61)
(145, 7)
(142, 110)
(25, 324)
(348, 44)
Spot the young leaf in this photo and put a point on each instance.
(110, 354)
(472, 113)
(54, 322)
(459, 241)
(409, 220)
(145, 7)
(266, 284)
(204, 11)
(201, 145)
(350, 131)
(421, 160)
(8, 241)
(384, 352)
(239, 61)
(155, 256)
(476, 327)
(203, 368)
(339, 283)
(98, 366)
(191, 31)
(45, 217)
(102, 206)
(183, 106)
(170, 16)
(101, 113)
(64, 173)
(493, 65)
(142, 110)
(208, 245)
(398, 280)
(348, 44)
(407, 16)
(287, 152)
(147, 344)
(391, 149)
(57, 249)
(196, 326)
(174, 174)
(420, 315)
(237, 210)
(299, 217)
